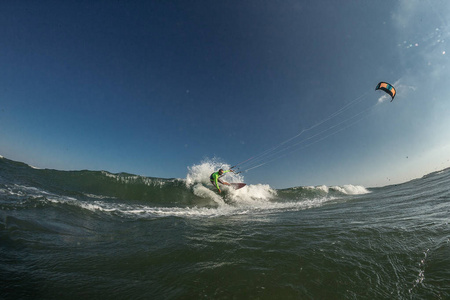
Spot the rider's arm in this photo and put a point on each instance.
(224, 182)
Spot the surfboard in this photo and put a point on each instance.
(237, 186)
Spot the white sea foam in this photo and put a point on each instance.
(22, 190)
(349, 189)
(98, 196)
(235, 209)
(322, 188)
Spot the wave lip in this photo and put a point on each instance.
(350, 189)
(347, 189)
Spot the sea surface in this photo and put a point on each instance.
(97, 235)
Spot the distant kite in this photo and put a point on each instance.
(388, 88)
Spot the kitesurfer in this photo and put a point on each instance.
(215, 178)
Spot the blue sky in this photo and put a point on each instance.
(154, 87)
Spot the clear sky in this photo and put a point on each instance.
(154, 87)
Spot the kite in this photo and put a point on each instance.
(388, 88)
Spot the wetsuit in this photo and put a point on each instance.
(214, 178)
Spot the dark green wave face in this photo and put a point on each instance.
(93, 234)
(103, 184)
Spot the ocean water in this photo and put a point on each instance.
(97, 235)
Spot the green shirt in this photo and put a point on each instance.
(215, 178)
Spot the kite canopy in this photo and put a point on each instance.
(388, 88)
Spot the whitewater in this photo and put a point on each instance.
(94, 234)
